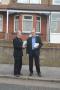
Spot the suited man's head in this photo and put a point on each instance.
(18, 34)
(33, 32)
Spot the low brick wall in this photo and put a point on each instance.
(49, 54)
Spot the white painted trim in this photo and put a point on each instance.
(52, 2)
(40, 1)
(24, 11)
(55, 12)
(3, 10)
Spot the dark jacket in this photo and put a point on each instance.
(29, 44)
(17, 44)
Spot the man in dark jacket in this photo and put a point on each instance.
(33, 49)
(18, 53)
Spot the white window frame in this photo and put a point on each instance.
(2, 24)
(29, 2)
(54, 20)
(27, 20)
(14, 22)
(54, 3)
(40, 24)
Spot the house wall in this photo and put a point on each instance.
(2, 34)
(10, 27)
(11, 23)
(11, 33)
(49, 54)
(14, 1)
(43, 32)
(43, 27)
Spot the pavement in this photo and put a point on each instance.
(50, 74)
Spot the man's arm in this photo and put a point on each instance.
(40, 42)
(17, 44)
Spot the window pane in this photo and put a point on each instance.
(38, 27)
(55, 23)
(16, 23)
(27, 17)
(23, 1)
(27, 24)
(58, 27)
(35, 1)
(38, 24)
(56, 1)
(53, 27)
(55, 17)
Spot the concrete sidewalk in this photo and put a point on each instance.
(48, 73)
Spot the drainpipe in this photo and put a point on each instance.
(49, 25)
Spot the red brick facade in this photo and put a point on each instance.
(13, 5)
(11, 32)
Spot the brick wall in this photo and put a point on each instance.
(49, 54)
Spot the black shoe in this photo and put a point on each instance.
(16, 75)
(21, 74)
(39, 74)
(30, 74)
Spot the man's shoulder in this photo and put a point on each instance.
(14, 38)
(29, 38)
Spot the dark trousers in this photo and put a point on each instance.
(34, 56)
(17, 65)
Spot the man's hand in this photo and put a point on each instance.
(23, 47)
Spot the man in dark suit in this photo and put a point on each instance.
(33, 49)
(18, 53)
